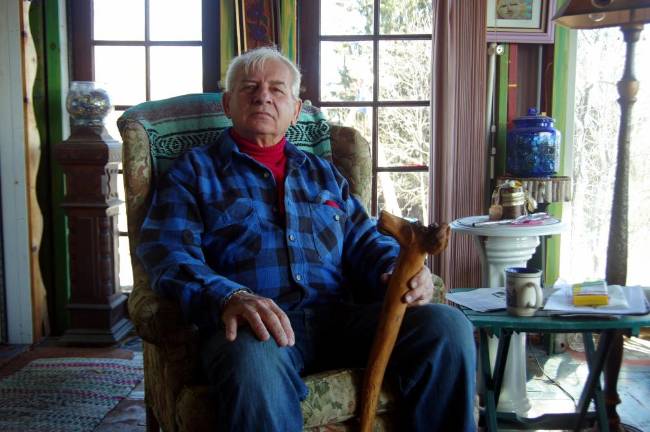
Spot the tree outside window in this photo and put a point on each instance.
(375, 75)
(600, 59)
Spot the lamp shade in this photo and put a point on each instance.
(590, 14)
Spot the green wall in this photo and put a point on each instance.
(45, 26)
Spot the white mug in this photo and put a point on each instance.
(523, 291)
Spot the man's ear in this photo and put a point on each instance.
(225, 103)
(296, 114)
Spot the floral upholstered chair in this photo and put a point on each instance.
(154, 134)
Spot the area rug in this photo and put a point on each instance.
(65, 394)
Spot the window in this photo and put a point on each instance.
(367, 64)
(135, 47)
(600, 56)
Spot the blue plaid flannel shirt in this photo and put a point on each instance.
(214, 228)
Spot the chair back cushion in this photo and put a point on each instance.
(179, 123)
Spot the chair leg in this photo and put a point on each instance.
(152, 421)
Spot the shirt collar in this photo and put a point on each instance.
(226, 149)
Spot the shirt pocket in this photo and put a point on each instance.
(232, 231)
(328, 228)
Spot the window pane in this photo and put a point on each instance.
(404, 70)
(122, 69)
(346, 17)
(167, 79)
(404, 194)
(112, 22)
(359, 118)
(405, 17)
(172, 20)
(594, 153)
(110, 123)
(404, 136)
(600, 57)
(346, 71)
(121, 217)
(126, 272)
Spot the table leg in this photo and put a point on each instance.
(513, 396)
(592, 385)
(598, 397)
(500, 364)
(612, 369)
(488, 383)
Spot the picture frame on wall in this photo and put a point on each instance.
(257, 24)
(520, 21)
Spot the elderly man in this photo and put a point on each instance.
(283, 270)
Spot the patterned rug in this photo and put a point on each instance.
(65, 394)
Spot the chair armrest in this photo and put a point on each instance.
(157, 320)
(439, 290)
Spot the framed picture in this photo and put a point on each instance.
(520, 21)
(257, 23)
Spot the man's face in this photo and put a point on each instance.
(261, 104)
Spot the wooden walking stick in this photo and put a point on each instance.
(415, 242)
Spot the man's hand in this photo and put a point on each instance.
(265, 318)
(420, 287)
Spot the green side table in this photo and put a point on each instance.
(503, 326)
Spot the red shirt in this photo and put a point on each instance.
(271, 157)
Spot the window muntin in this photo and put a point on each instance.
(374, 74)
(136, 55)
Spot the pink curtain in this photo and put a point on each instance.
(459, 152)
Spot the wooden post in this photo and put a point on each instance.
(97, 307)
(41, 325)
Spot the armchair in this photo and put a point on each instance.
(153, 134)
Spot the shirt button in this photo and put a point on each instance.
(266, 175)
(337, 217)
(292, 237)
(298, 277)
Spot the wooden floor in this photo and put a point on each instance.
(554, 381)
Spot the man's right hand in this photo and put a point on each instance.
(265, 318)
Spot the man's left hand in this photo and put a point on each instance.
(420, 287)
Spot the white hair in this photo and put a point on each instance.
(254, 60)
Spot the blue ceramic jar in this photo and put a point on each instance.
(533, 146)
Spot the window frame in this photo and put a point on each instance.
(309, 60)
(81, 28)
(82, 50)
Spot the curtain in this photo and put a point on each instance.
(459, 152)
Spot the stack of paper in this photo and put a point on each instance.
(481, 299)
(628, 300)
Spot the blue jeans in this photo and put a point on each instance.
(258, 386)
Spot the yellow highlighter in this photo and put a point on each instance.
(590, 293)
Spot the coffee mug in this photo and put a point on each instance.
(523, 291)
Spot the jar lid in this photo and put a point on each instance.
(533, 118)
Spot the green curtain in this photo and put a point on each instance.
(287, 34)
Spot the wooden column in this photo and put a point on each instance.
(97, 307)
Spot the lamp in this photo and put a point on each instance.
(630, 15)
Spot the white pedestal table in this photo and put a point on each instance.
(503, 246)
